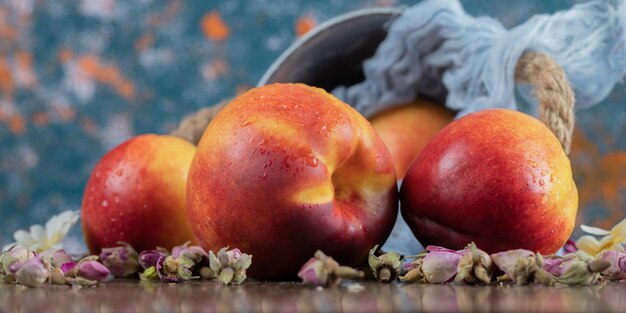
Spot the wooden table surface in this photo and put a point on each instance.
(134, 296)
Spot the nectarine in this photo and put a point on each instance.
(497, 177)
(407, 129)
(136, 194)
(287, 169)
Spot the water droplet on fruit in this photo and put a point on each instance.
(105, 203)
(541, 182)
(532, 163)
(311, 161)
(552, 178)
(113, 219)
(544, 198)
(116, 199)
(245, 123)
(98, 174)
(543, 173)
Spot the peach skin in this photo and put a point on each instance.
(136, 194)
(407, 129)
(496, 177)
(286, 169)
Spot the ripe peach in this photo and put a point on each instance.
(286, 169)
(408, 128)
(497, 177)
(137, 194)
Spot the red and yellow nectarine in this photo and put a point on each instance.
(407, 129)
(286, 169)
(137, 194)
(497, 177)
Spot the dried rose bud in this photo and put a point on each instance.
(582, 270)
(56, 258)
(194, 253)
(121, 261)
(322, 270)
(313, 272)
(31, 272)
(230, 266)
(174, 270)
(439, 265)
(474, 267)
(149, 258)
(523, 267)
(570, 247)
(386, 267)
(614, 272)
(13, 255)
(90, 272)
(56, 277)
(149, 274)
(69, 269)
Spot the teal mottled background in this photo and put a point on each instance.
(79, 77)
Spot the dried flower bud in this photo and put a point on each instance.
(31, 272)
(207, 273)
(173, 270)
(56, 277)
(194, 253)
(149, 274)
(523, 267)
(570, 247)
(149, 258)
(69, 269)
(439, 265)
(90, 272)
(582, 270)
(614, 272)
(13, 255)
(474, 267)
(121, 261)
(386, 267)
(56, 258)
(322, 270)
(230, 266)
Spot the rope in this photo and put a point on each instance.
(552, 91)
(551, 88)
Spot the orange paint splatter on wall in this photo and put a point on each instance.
(7, 86)
(214, 27)
(25, 76)
(601, 178)
(107, 74)
(89, 126)
(65, 55)
(40, 119)
(17, 124)
(144, 41)
(304, 24)
(214, 69)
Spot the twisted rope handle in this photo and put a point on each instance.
(551, 88)
(552, 91)
(192, 126)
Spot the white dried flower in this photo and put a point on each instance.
(40, 239)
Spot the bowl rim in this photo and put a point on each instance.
(326, 25)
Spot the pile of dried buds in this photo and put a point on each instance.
(53, 266)
(585, 262)
(185, 262)
(474, 266)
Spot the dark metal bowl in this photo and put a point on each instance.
(332, 54)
